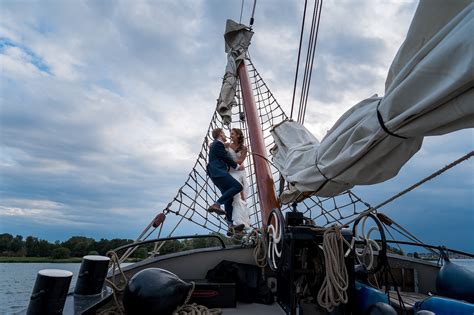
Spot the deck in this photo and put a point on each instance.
(409, 299)
(254, 308)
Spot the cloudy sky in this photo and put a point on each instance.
(104, 105)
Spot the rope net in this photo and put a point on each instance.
(198, 192)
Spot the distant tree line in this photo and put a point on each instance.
(79, 246)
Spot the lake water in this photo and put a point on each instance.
(17, 281)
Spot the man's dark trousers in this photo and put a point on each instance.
(217, 169)
(229, 187)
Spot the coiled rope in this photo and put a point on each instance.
(195, 309)
(334, 288)
(260, 250)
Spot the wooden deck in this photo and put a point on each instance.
(408, 298)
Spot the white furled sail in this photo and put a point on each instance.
(237, 40)
(429, 91)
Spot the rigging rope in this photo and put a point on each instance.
(241, 11)
(311, 49)
(270, 114)
(192, 199)
(310, 59)
(402, 231)
(253, 13)
(435, 174)
(298, 59)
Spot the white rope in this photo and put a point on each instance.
(116, 285)
(114, 264)
(195, 309)
(260, 250)
(334, 289)
(369, 244)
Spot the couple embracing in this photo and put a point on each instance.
(227, 172)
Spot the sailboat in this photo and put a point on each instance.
(315, 247)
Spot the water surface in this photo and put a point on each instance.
(18, 279)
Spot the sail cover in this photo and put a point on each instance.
(428, 91)
(237, 40)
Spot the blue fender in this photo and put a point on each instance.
(441, 305)
(367, 296)
(456, 282)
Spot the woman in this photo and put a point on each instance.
(238, 152)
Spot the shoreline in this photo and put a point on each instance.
(39, 260)
(4, 259)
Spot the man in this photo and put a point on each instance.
(218, 171)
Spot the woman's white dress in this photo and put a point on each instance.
(240, 213)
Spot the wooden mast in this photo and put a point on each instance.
(263, 175)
